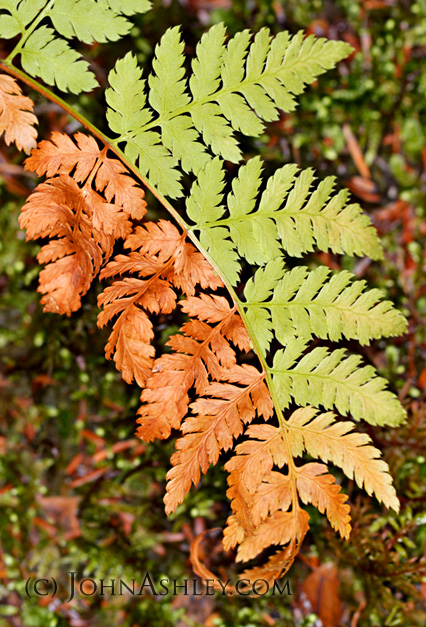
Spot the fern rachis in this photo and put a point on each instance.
(90, 200)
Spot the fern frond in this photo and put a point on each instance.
(161, 269)
(51, 58)
(174, 122)
(288, 215)
(201, 350)
(217, 421)
(233, 87)
(300, 303)
(321, 378)
(329, 440)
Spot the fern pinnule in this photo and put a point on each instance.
(17, 119)
(316, 486)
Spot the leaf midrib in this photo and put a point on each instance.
(310, 304)
(310, 374)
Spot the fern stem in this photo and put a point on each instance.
(292, 471)
(110, 144)
(17, 49)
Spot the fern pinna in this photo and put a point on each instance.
(93, 195)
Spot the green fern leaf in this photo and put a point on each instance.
(168, 84)
(306, 303)
(289, 215)
(22, 13)
(127, 113)
(204, 204)
(305, 59)
(259, 289)
(56, 63)
(126, 98)
(156, 162)
(216, 131)
(51, 58)
(321, 378)
(168, 94)
(88, 21)
(308, 218)
(233, 87)
(205, 79)
(181, 140)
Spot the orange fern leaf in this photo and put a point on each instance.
(217, 421)
(280, 528)
(315, 485)
(201, 350)
(85, 223)
(130, 344)
(324, 438)
(161, 270)
(60, 155)
(266, 502)
(273, 493)
(16, 115)
(277, 564)
(247, 469)
(84, 158)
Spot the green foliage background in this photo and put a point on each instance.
(57, 388)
